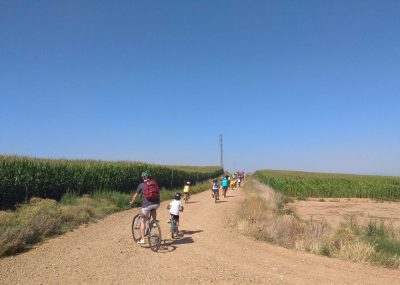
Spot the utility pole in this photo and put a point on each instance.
(222, 153)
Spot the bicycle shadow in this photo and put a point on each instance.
(171, 244)
(183, 240)
(188, 232)
(192, 202)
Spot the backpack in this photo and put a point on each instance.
(151, 191)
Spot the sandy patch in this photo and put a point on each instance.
(334, 210)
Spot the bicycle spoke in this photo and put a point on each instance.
(136, 228)
(155, 236)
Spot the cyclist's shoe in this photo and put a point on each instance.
(141, 241)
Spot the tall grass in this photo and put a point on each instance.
(261, 217)
(308, 184)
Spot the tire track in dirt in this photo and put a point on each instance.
(211, 251)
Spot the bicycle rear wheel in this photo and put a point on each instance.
(173, 227)
(154, 236)
(136, 228)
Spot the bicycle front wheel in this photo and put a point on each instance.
(136, 228)
(154, 236)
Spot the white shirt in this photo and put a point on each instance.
(175, 206)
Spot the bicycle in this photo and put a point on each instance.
(173, 227)
(216, 195)
(187, 197)
(152, 231)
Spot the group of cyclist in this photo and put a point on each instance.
(227, 181)
(149, 190)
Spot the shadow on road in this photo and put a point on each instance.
(171, 244)
(183, 240)
(192, 202)
(187, 232)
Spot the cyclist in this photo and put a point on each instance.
(186, 191)
(215, 188)
(233, 183)
(174, 208)
(150, 203)
(225, 184)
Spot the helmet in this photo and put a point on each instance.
(188, 183)
(215, 180)
(145, 174)
(178, 196)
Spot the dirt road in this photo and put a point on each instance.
(211, 251)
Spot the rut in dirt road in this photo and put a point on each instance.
(210, 251)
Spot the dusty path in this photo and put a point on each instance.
(210, 252)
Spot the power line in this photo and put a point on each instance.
(222, 153)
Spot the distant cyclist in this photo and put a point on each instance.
(233, 183)
(215, 188)
(186, 191)
(225, 184)
(151, 200)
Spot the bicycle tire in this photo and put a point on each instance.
(154, 236)
(173, 227)
(136, 228)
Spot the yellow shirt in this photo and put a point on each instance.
(186, 189)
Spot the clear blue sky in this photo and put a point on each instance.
(301, 85)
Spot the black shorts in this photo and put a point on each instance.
(175, 217)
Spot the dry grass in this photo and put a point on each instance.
(42, 218)
(262, 216)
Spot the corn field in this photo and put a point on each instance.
(308, 184)
(22, 178)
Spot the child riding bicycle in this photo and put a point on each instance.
(215, 189)
(174, 207)
(186, 191)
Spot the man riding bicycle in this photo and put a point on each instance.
(150, 203)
